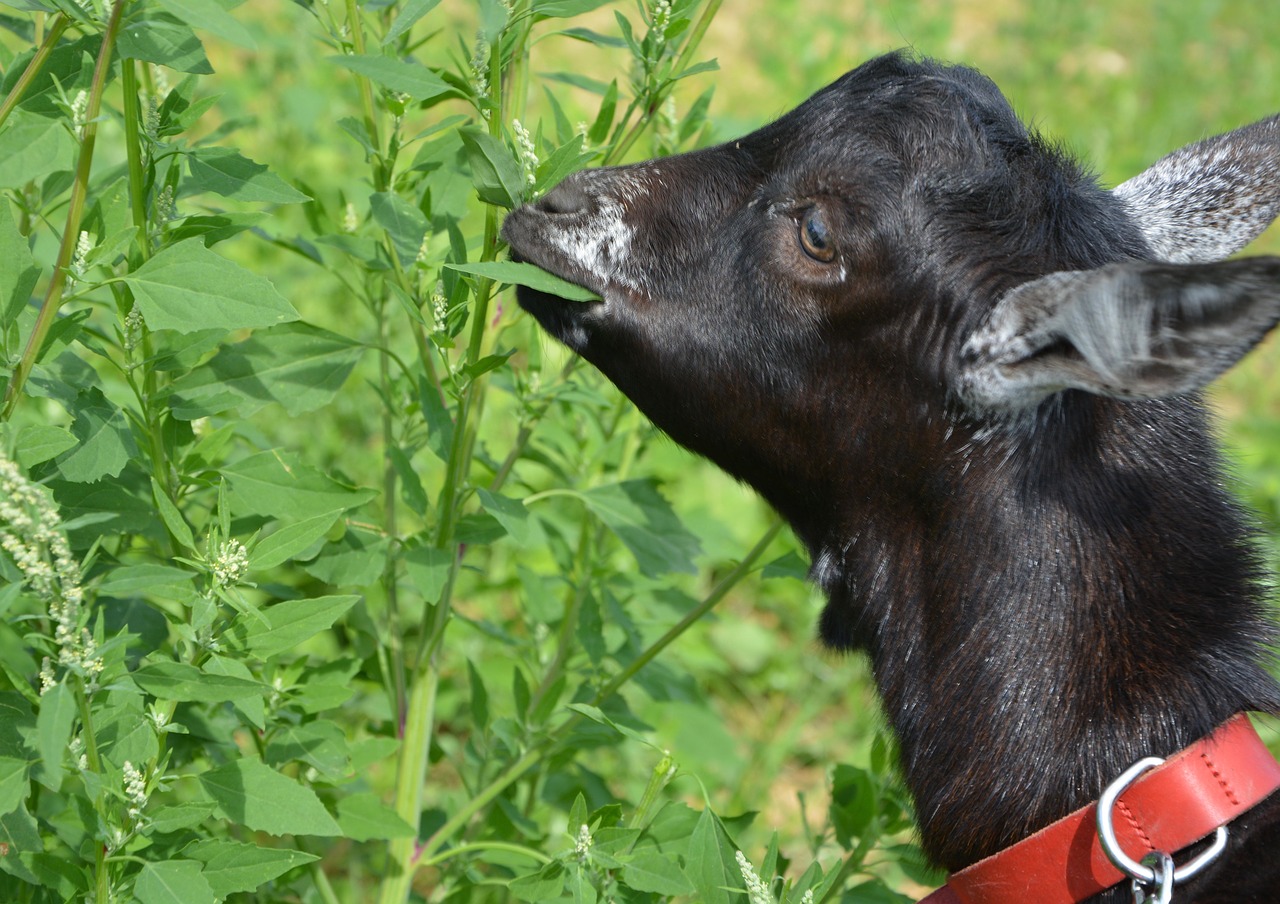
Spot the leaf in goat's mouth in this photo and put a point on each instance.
(529, 275)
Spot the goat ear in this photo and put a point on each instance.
(1208, 200)
(1127, 330)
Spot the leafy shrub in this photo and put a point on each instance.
(323, 578)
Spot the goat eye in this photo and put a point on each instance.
(815, 237)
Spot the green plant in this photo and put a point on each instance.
(268, 658)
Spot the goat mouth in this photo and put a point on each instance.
(562, 318)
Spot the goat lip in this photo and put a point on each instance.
(525, 231)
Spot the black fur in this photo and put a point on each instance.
(1045, 599)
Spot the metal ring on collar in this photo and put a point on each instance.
(1111, 846)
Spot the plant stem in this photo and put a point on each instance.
(538, 752)
(133, 148)
(726, 584)
(102, 878)
(355, 27)
(410, 779)
(60, 23)
(389, 492)
(531, 853)
(75, 211)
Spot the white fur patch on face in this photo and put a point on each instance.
(601, 242)
(1208, 200)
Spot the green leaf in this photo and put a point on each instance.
(13, 784)
(188, 684)
(657, 873)
(400, 76)
(357, 559)
(227, 172)
(495, 172)
(293, 622)
(173, 882)
(281, 546)
(565, 9)
(410, 483)
(547, 884)
(320, 744)
(181, 816)
(479, 697)
(299, 366)
(595, 714)
(599, 130)
(69, 66)
(105, 441)
(253, 707)
(853, 803)
(563, 161)
(522, 274)
(16, 722)
(590, 630)
(172, 518)
(412, 11)
(217, 227)
(232, 866)
(428, 570)
(707, 860)
(644, 521)
(162, 39)
(364, 817)
(41, 442)
(18, 270)
(19, 832)
(53, 732)
(252, 794)
(510, 513)
(205, 15)
(148, 579)
(32, 146)
(186, 287)
(279, 485)
(404, 223)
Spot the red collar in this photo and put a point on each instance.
(1170, 807)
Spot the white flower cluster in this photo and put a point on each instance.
(133, 324)
(80, 260)
(135, 791)
(480, 70)
(30, 532)
(662, 14)
(526, 153)
(582, 845)
(151, 120)
(79, 107)
(757, 891)
(439, 308)
(231, 563)
(166, 208)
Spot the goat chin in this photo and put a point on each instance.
(967, 374)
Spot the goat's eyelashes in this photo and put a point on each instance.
(815, 236)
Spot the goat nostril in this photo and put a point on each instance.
(569, 197)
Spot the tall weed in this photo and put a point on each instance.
(345, 599)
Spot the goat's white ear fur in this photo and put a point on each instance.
(1208, 200)
(1127, 330)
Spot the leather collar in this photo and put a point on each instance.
(1186, 798)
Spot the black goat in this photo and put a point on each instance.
(967, 375)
